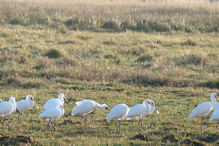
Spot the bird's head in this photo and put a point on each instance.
(12, 100)
(30, 97)
(213, 95)
(105, 107)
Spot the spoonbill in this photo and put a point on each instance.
(85, 107)
(55, 102)
(215, 115)
(204, 108)
(139, 110)
(6, 108)
(152, 107)
(118, 112)
(25, 104)
(52, 114)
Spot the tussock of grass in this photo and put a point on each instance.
(211, 84)
(144, 58)
(190, 59)
(53, 53)
(110, 25)
(189, 42)
(148, 80)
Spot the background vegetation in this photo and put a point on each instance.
(112, 52)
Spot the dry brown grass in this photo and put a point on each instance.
(155, 16)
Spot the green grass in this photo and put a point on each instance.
(176, 69)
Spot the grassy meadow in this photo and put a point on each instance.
(111, 52)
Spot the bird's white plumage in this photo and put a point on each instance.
(79, 102)
(201, 110)
(118, 112)
(7, 107)
(138, 110)
(0, 100)
(215, 115)
(25, 104)
(86, 106)
(54, 102)
(204, 108)
(53, 113)
(83, 107)
(152, 107)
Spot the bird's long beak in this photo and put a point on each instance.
(107, 108)
(66, 100)
(36, 105)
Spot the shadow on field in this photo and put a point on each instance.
(140, 137)
(67, 42)
(7, 140)
(208, 138)
(211, 138)
(170, 138)
(189, 142)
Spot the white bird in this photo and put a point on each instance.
(55, 102)
(118, 112)
(6, 108)
(204, 108)
(52, 114)
(85, 107)
(152, 107)
(139, 110)
(215, 115)
(0, 100)
(25, 104)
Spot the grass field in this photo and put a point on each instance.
(161, 52)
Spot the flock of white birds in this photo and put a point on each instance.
(53, 109)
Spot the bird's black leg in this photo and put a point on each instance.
(53, 125)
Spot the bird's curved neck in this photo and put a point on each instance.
(213, 100)
(62, 110)
(100, 106)
(12, 102)
(61, 99)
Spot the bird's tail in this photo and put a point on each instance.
(108, 118)
(191, 115)
(212, 117)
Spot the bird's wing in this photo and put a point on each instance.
(83, 108)
(50, 113)
(79, 102)
(6, 108)
(215, 116)
(135, 110)
(118, 111)
(216, 109)
(51, 103)
(23, 105)
(201, 110)
(151, 109)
